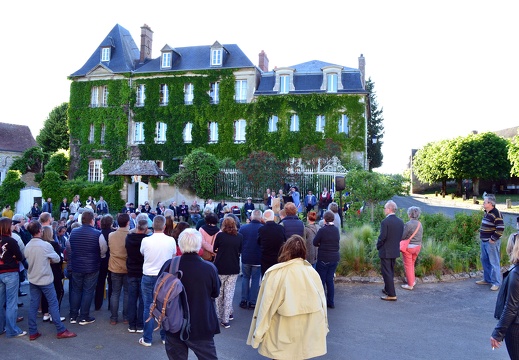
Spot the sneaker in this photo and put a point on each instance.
(482, 282)
(144, 343)
(61, 318)
(407, 287)
(252, 306)
(130, 330)
(494, 287)
(225, 325)
(87, 321)
(231, 317)
(23, 333)
(163, 342)
(66, 335)
(140, 331)
(73, 320)
(46, 318)
(243, 304)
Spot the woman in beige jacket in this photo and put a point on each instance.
(285, 324)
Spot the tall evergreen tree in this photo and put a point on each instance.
(54, 135)
(375, 128)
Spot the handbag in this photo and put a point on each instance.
(207, 255)
(405, 243)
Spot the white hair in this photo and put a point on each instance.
(268, 215)
(190, 241)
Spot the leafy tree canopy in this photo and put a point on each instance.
(55, 135)
(199, 173)
(263, 170)
(375, 128)
(10, 188)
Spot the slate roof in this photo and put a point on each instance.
(139, 167)
(16, 138)
(507, 133)
(308, 78)
(124, 55)
(199, 58)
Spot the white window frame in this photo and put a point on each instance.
(103, 133)
(166, 59)
(284, 84)
(214, 92)
(216, 57)
(161, 130)
(273, 123)
(94, 97)
(240, 131)
(294, 122)
(95, 170)
(189, 89)
(106, 53)
(332, 81)
(344, 123)
(320, 122)
(104, 100)
(164, 95)
(240, 91)
(141, 95)
(138, 133)
(213, 132)
(187, 133)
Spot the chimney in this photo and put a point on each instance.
(263, 61)
(146, 43)
(362, 68)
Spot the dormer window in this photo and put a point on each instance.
(332, 78)
(166, 60)
(284, 80)
(331, 83)
(105, 53)
(217, 54)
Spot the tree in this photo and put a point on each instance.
(373, 187)
(375, 128)
(199, 173)
(10, 188)
(513, 156)
(262, 170)
(55, 135)
(59, 162)
(431, 163)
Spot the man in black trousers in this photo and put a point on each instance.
(388, 246)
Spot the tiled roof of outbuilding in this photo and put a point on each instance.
(17, 138)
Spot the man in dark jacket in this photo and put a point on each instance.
(250, 261)
(202, 286)
(291, 222)
(388, 246)
(270, 238)
(87, 247)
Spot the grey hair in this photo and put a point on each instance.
(391, 205)
(168, 212)
(333, 207)
(491, 198)
(159, 222)
(142, 216)
(142, 224)
(268, 215)
(414, 212)
(190, 241)
(256, 215)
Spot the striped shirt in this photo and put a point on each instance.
(492, 226)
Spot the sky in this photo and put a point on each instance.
(441, 69)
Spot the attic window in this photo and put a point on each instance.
(284, 80)
(105, 54)
(332, 78)
(216, 57)
(166, 60)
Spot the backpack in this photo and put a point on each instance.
(502, 295)
(170, 308)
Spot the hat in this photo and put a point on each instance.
(14, 222)
(249, 198)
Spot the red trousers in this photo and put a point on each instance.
(409, 256)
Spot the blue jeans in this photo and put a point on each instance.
(249, 289)
(135, 311)
(119, 281)
(83, 288)
(490, 260)
(195, 218)
(50, 294)
(147, 286)
(326, 271)
(9, 285)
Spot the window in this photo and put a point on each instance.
(239, 131)
(138, 137)
(216, 57)
(91, 134)
(188, 94)
(161, 132)
(105, 54)
(344, 124)
(214, 93)
(103, 133)
(319, 123)
(331, 83)
(273, 123)
(99, 96)
(294, 123)
(95, 171)
(164, 95)
(141, 95)
(284, 83)
(240, 91)
(166, 60)
(187, 133)
(213, 132)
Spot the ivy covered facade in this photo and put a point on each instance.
(126, 105)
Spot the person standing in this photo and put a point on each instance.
(289, 324)
(271, 237)
(291, 222)
(10, 257)
(250, 261)
(296, 198)
(324, 200)
(102, 206)
(8, 212)
(87, 247)
(35, 211)
(74, 205)
(47, 206)
(106, 225)
(57, 274)
(311, 229)
(388, 246)
(156, 249)
(117, 267)
(64, 209)
(202, 286)
(40, 255)
(412, 236)
(492, 227)
(327, 241)
(310, 201)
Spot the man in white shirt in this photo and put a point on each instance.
(156, 249)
